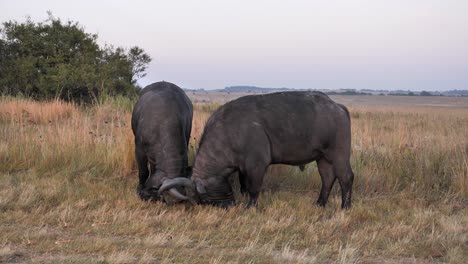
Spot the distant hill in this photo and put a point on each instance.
(456, 93)
(253, 89)
(256, 89)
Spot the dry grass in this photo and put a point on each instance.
(67, 194)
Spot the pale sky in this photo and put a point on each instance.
(327, 44)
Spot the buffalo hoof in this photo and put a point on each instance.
(253, 201)
(321, 203)
(244, 192)
(346, 206)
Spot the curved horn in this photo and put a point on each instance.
(175, 193)
(175, 182)
(178, 195)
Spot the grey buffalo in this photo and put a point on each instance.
(248, 134)
(161, 124)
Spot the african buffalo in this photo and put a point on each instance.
(161, 124)
(248, 134)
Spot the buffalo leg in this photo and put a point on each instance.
(143, 172)
(254, 183)
(328, 177)
(256, 164)
(243, 183)
(345, 177)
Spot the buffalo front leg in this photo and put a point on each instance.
(254, 181)
(256, 163)
(143, 172)
(328, 177)
(243, 183)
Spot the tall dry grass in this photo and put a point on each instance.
(417, 149)
(68, 178)
(55, 136)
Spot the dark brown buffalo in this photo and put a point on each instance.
(248, 134)
(161, 123)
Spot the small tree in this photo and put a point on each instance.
(52, 59)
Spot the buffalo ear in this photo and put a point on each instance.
(200, 188)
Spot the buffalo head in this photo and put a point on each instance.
(183, 189)
(151, 190)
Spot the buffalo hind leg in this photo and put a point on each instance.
(345, 176)
(143, 172)
(328, 177)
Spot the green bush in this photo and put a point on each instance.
(52, 59)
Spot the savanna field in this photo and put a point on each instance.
(68, 180)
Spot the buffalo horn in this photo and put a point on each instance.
(177, 194)
(175, 182)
